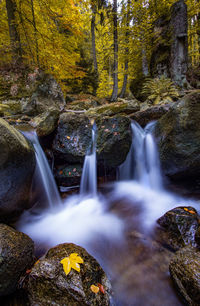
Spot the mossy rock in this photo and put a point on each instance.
(185, 270)
(17, 164)
(179, 227)
(73, 139)
(178, 135)
(125, 107)
(45, 123)
(49, 285)
(16, 256)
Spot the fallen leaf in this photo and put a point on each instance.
(190, 211)
(114, 125)
(68, 137)
(71, 262)
(36, 262)
(101, 288)
(115, 133)
(60, 172)
(74, 170)
(94, 288)
(106, 130)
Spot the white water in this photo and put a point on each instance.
(82, 219)
(44, 173)
(141, 179)
(142, 163)
(89, 175)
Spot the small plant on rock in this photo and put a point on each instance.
(160, 90)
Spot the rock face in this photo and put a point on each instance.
(73, 139)
(178, 134)
(49, 285)
(185, 271)
(17, 164)
(180, 227)
(45, 123)
(123, 107)
(16, 255)
(47, 94)
(179, 47)
(151, 113)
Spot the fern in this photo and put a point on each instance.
(160, 90)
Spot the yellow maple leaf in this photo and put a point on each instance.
(71, 262)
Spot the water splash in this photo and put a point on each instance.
(82, 219)
(142, 163)
(43, 173)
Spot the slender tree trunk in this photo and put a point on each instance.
(115, 35)
(35, 33)
(125, 81)
(94, 39)
(14, 35)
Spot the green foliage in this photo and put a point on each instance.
(160, 90)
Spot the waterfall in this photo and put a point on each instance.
(142, 163)
(89, 175)
(44, 173)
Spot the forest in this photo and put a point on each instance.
(98, 43)
(99, 152)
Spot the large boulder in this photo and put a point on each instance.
(16, 256)
(123, 106)
(47, 94)
(74, 135)
(17, 164)
(178, 134)
(143, 117)
(179, 227)
(50, 285)
(185, 272)
(46, 122)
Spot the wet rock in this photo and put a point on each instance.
(49, 285)
(113, 140)
(17, 164)
(74, 137)
(68, 175)
(47, 94)
(185, 272)
(178, 134)
(122, 107)
(179, 227)
(45, 123)
(150, 113)
(16, 256)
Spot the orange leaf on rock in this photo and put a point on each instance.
(101, 288)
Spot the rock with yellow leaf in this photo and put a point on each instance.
(68, 275)
(179, 227)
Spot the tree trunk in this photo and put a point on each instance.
(14, 35)
(115, 35)
(35, 33)
(125, 81)
(94, 41)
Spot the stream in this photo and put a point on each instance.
(118, 228)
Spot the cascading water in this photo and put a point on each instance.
(44, 173)
(82, 219)
(142, 163)
(89, 175)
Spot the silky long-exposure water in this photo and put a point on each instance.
(118, 229)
